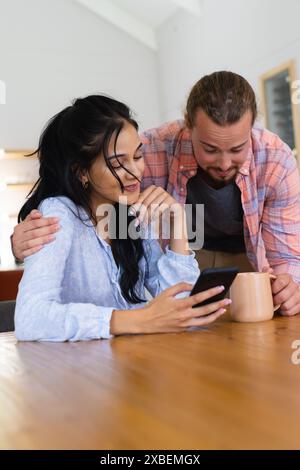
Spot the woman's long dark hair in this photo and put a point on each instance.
(70, 143)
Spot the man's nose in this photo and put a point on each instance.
(225, 163)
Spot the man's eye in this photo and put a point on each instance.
(236, 150)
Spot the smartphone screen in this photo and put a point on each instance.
(214, 277)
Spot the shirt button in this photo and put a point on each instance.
(181, 190)
(181, 167)
(192, 173)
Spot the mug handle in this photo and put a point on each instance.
(272, 276)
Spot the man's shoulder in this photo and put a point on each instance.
(168, 131)
(271, 154)
(263, 139)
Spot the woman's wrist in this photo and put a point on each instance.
(126, 322)
(178, 233)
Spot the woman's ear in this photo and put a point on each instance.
(84, 180)
(82, 175)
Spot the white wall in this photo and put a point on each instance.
(54, 50)
(246, 36)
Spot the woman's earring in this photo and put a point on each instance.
(85, 185)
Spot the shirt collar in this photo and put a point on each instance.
(245, 168)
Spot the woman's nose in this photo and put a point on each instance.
(134, 171)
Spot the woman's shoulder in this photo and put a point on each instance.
(58, 206)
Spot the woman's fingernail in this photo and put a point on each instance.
(221, 288)
(223, 310)
(227, 301)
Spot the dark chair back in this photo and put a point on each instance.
(7, 314)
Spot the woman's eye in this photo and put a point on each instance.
(210, 151)
(118, 167)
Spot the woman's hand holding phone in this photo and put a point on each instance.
(168, 314)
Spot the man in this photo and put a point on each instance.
(246, 177)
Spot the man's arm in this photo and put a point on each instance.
(281, 232)
(32, 234)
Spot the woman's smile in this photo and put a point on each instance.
(132, 188)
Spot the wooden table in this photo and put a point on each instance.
(229, 386)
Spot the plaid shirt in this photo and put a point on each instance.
(268, 181)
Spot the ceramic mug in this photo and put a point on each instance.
(251, 296)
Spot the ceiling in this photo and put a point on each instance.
(151, 12)
(140, 18)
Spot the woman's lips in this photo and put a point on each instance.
(132, 188)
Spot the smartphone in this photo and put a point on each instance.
(214, 277)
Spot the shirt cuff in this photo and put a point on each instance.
(106, 314)
(183, 259)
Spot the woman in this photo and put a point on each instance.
(88, 284)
